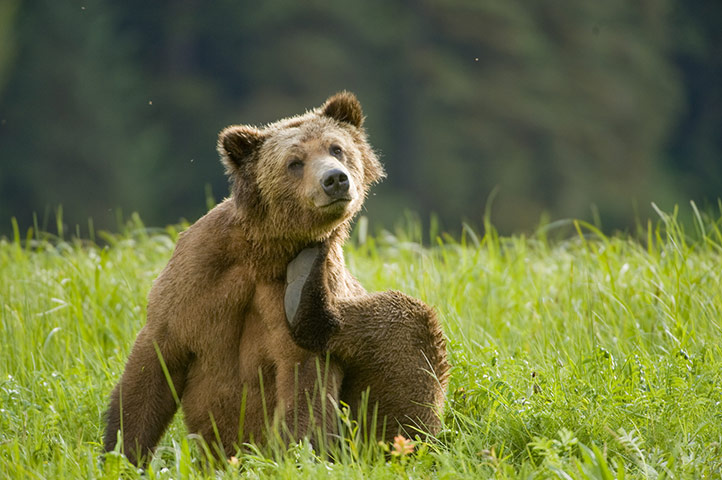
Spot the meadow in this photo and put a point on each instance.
(575, 354)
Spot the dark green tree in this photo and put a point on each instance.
(559, 105)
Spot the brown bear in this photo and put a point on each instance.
(216, 341)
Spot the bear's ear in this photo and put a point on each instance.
(344, 107)
(236, 143)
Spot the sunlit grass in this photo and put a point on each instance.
(586, 356)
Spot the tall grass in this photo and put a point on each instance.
(586, 356)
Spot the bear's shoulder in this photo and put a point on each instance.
(209, 247)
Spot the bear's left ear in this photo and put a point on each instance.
(237, 143)
(344, 107)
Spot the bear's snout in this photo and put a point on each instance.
(329, 182)
(335, 183)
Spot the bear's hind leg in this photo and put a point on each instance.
(386, 342)
(310, 313)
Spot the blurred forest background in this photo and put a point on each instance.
(564, 107)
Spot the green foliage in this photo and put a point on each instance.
(561, 105)
(586, 357)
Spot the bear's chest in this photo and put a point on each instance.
(265, 337)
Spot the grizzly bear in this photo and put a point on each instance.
(217, 342)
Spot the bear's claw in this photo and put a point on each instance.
(296, 274)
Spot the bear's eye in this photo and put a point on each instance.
(295, 165)
(336, 151)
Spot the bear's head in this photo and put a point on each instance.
(299, 179)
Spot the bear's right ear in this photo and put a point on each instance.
(236, 143)
(344, 107)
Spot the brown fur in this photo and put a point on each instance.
(215, 313)
(386, 342)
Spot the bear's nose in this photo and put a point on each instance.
(335, 183)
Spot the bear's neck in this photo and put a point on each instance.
(270, 257)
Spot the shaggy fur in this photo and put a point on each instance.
(216, 325)
(386, 342)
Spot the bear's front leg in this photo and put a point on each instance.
(143, 402)
(308, 395)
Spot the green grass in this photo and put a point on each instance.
(587, 356)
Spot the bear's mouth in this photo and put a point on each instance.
(336, 202)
